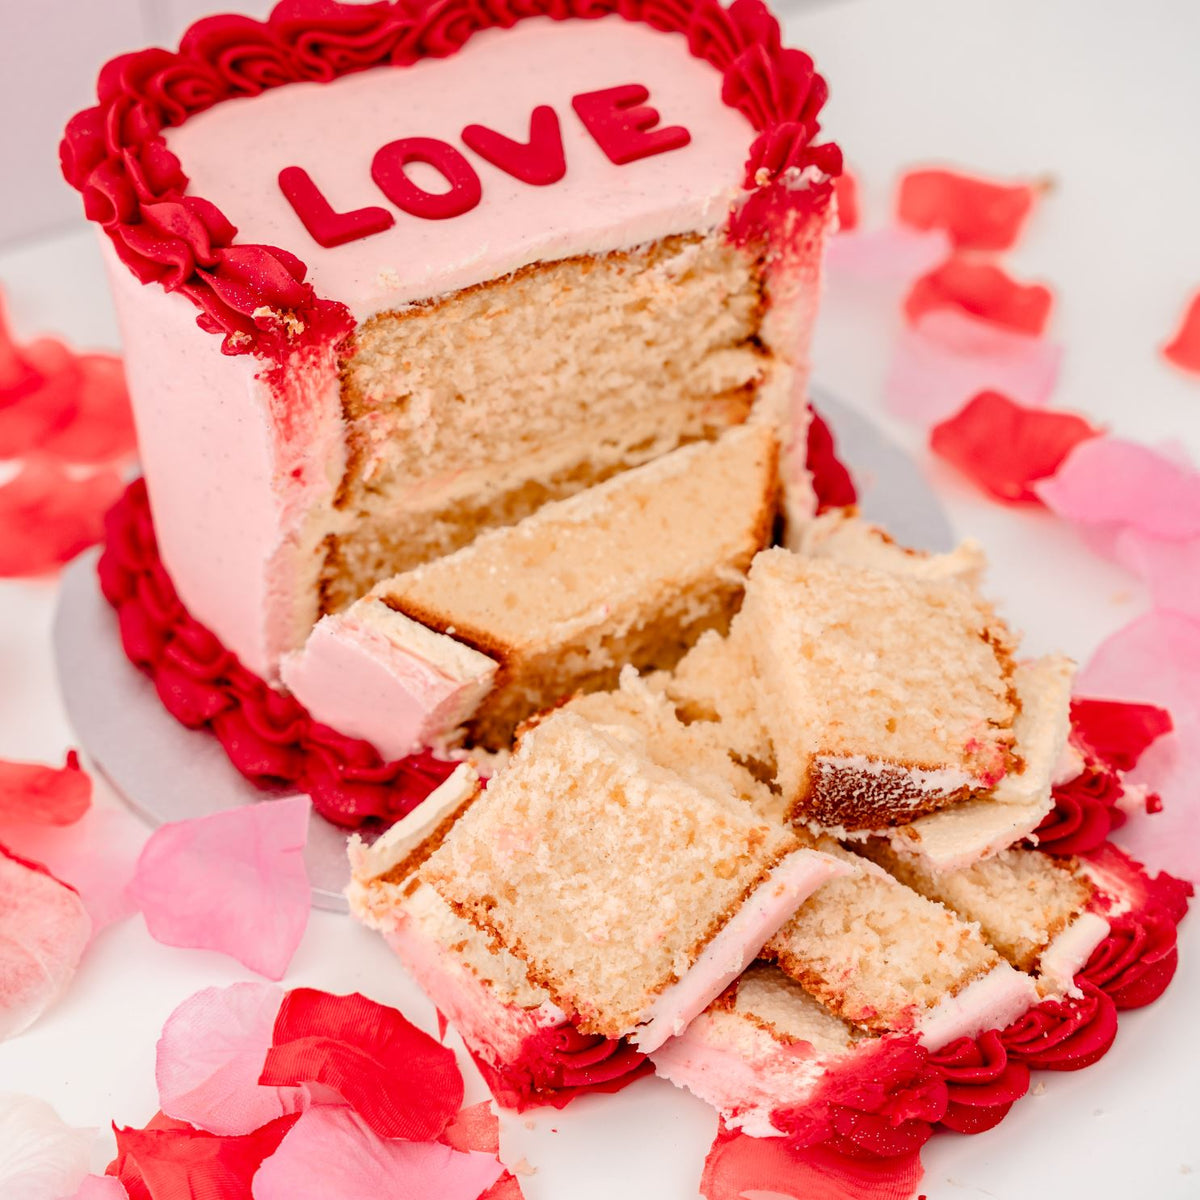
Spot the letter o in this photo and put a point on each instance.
(387, 169)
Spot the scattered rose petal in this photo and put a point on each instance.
(894, 254)
(41, 1157)
(233, 882)
(845, 188)
(478, 1128)
(101, 1187)
(44, 795)
(101, 429)
(739, 1167)
(332, 1154)
(43, 931)
(950, 357)
(70, 406)
(95, 856)
(47, 516)
(1156, 659)
(1110, 481)
(1117, 731)
(402, 1082)
(1184, 348)
(1004, 446)
(982, 290)
(210, 1055)
(169, 1160)
(978, 214)
(1170, 569)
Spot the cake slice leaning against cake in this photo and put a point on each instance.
(628, 572)
(633, 896)
(432, 268)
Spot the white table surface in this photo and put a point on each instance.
(1103, 97)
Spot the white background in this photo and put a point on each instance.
(1102, 97)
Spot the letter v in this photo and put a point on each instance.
(538, 161)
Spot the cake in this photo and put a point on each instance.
(356, 340)
(629, 572)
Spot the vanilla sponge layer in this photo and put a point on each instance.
(471, 411)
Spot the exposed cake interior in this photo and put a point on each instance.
(636, 872)
(470, 411)
(876, 953)
(629, 572)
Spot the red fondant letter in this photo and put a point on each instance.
(623, 126)
(538, 161)
(327, 226)
(387, 169)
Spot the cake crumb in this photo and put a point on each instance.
(530, 1124)
(522, 1167)
(1038, 1089)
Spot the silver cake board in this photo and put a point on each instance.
(166, 772)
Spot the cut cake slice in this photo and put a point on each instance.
(885, 958)
(1030, 906)
(631, 571)
(633, 896)
(883, 697)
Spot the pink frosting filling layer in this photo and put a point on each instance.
(733, 949)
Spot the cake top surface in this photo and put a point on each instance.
(233, 154)
(659, 115)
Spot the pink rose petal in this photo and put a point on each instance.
(101, 1187)
(1156, 659)
(234, 882)
(41, 1157)
(895, 253)
(210, 1055)
(948, 357)
(331, 1154)
(43, 931)
(1171, 569)
(95, 856)
(1110, 481)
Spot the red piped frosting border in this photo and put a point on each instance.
(255, 296)
(268, 736)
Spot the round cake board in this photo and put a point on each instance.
(166, 772)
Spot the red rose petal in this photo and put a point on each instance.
(978, 214)
(402, 1082)
(169, 1160)
(845, 189)
(950, 357)
(102, 427)
(1004, 446)
(44, 795)
(44, 929)
(982, 290)
(1184, 348)
(233, 882)
(47, 516)
(1117, 731)
(738, 1164)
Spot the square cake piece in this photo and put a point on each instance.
(883, 696)
(633, 896)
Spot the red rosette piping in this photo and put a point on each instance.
(1085, 812)
(560, 1063)
(267, 735)
(1064, 1035)
(982, 1083)
(1137, 960)
(831, 481)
